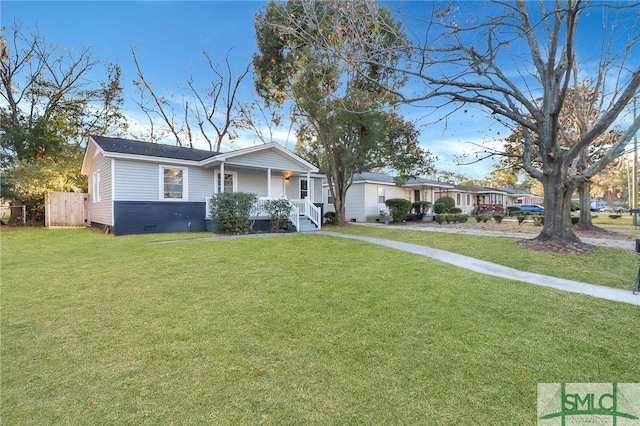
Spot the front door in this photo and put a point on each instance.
(277, 187)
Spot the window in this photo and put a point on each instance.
(468, 199)
(173, 183)
(458, 199)
(229, 183)
(96, 186)
(304, 189)
(381, 197)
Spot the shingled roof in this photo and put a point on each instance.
(133, 147)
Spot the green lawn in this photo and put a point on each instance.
(296, 329)
(606, 266)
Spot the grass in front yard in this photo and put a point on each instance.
(606, 266)
(297, 329)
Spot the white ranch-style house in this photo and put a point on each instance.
(140, 187)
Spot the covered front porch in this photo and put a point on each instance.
(304, 215)
(271, 173)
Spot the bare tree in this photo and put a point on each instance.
(518, 60)
(262, 119)
(162, 108)
(51, 99)
(215, 110)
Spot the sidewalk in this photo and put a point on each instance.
(488, 268)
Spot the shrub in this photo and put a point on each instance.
(330, 217)
(451, 218)
(483, 218)
(498, 218)
(615, 216)
(278, 211)
(513, 210)
(455, 210)
(421, 208)
(440, 218)
(439, 208)
(521, 218)
(575, 220)
(463, 218)
(448, 202)
(538, 220)
(230, 211)
(399, 208)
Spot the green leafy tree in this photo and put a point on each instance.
(346, 122)
(50, 101)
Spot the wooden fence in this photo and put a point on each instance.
(66, 209)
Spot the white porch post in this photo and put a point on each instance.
(309, 187)
(221, 179)
(269, 183)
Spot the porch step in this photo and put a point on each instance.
(306, 225)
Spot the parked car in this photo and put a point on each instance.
(531, 208)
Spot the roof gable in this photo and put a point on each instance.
(260, 153)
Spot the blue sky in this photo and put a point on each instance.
(169, 37)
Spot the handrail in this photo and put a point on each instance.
(294, 217)
(310, 210)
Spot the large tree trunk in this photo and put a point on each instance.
(557, 227)
(584, 191)
(341, 185)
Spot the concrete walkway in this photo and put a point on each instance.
(488, 268)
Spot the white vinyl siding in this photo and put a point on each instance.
(317, 190)
(140, 181)
(95, 191)
(254, 181)
(100, 208)
(200, 183)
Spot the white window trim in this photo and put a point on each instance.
(300, 188)
(96, 186)
(185, 183)
(226, 172)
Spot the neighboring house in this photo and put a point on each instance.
(368, 192)
(140, 187)
(519, 196)
(478, 199)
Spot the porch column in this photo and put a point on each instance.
(269, 183)
(221, 179)
(309, 187)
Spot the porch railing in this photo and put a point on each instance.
(310, 210)
(298, 206)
